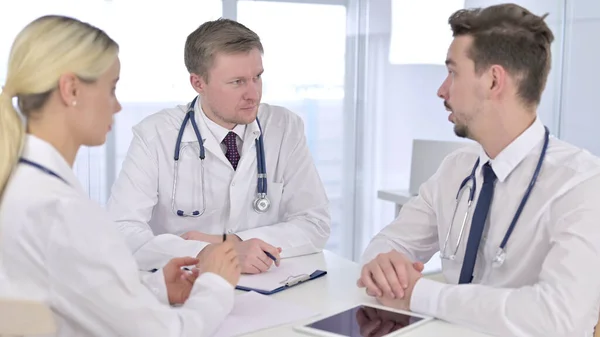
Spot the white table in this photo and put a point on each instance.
(398, 197)
(337, 291)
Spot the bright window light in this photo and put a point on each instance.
(420, 30)
(301, 61)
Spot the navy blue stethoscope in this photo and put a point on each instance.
(501, 253)
(261, 203)
(41, 168)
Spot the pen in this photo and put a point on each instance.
(270, 256)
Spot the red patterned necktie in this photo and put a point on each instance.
(232, 152)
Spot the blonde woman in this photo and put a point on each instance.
(57, 245)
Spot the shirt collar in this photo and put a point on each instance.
(43, 153)
(509, 158)
(217, 130)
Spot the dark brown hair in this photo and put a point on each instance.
(512, 37)
(218, 36)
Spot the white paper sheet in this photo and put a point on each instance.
(253, 311)
(290, 270)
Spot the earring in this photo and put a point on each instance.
(74, 103)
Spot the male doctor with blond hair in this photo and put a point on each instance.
(166, 210)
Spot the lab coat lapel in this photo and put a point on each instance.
(250, 136)
(210, 143)
(247, 164)
(246, 171)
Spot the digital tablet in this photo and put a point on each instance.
(365, 320)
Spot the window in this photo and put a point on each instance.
(153, 73)
(152, 47)
(420, 30)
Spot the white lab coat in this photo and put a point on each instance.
(60, 248)
(549, 284)
(140, 203)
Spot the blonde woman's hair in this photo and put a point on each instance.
(45, 49)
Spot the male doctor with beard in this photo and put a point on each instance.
(517, 256)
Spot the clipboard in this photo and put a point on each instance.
(289, 282)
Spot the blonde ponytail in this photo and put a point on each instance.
(11, 137)
(42, 52)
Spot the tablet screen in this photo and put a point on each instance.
(365, 321)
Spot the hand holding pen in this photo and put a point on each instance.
(221, 259)
(256, 256)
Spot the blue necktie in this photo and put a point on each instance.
(477, 224)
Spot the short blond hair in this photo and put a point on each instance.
(218, 36)
(44, 50)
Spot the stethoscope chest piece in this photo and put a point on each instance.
(499, 258)
(261, 204)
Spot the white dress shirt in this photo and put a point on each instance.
(141, 201)
(549, 284)
(60, 248)
(220, 132)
